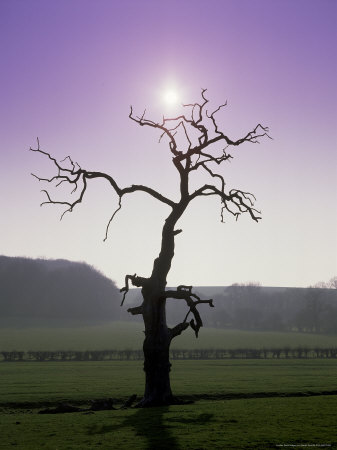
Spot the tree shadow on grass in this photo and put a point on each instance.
(150, 424)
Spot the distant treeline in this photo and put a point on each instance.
(202, 354)
(256, 308)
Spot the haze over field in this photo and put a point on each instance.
(70, 71)
(59, 293)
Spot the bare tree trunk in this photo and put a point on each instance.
(156, 352)
(156, 346)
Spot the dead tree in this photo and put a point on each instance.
(200, 132)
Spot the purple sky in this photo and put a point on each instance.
(69, 72)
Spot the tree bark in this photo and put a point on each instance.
(156, 346)
(156, 351)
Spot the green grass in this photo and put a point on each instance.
(214, 421)
(129, 335)
(35, 382)
(233, 424)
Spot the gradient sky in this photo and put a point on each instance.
(70, 69)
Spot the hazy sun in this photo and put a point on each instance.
(170, 97)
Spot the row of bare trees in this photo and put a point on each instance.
(256, 308)
(196, 354)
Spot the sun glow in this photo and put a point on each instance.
(171, 97)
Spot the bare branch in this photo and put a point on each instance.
(215, 175)
(76, 175)
(178, 329)
(146, 122)
(187, 136)
(198, 106)
(213, 118)
(242, 201)
(135, 280)
(111, 218)
(136, 310)
(210, 158)
(70, 204)
(192, 300)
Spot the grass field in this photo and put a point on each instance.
(129, 335)
(237, 424)
(35, 382)
(227, 413)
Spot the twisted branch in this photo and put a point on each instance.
(135, 280)
(192, 300)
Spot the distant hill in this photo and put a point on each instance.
(56, 292)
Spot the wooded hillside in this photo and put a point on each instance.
(38, 291)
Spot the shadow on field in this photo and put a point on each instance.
(149, 423)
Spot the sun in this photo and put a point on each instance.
(171, 97)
